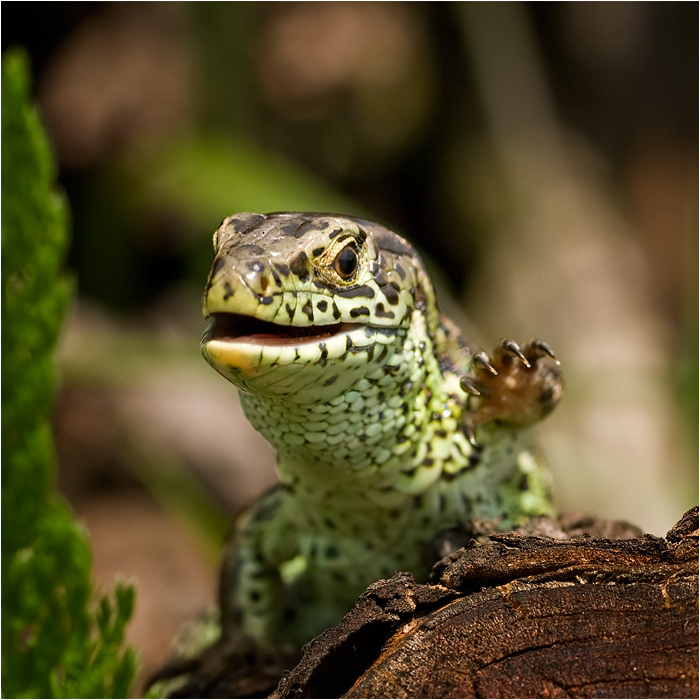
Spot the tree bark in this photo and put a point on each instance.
(523, 614)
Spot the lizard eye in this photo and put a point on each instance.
(346, 262)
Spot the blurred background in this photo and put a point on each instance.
(543, 156)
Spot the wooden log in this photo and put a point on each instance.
(523, 615)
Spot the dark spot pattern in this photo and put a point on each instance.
(308, 309)
(351, 292)
(250, 251)
(290, 229)
(359, 311)
(310, 225)
(474, 461)
(299, 266)
(380, 278)
(382, 354)
(391, 295)
(245, 225)
(392, 244)
(381, 312)
(218, 264)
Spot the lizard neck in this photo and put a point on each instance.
(382, 441)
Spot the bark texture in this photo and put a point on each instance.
(523, 614)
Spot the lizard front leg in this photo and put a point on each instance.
(514, 387)
(251, 590)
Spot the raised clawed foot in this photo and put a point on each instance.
(516, 386)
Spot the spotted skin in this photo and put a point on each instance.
(388, 426)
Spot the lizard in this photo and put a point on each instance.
(388, 425)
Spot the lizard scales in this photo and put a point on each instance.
(388, 426)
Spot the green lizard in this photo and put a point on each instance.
(388, 426)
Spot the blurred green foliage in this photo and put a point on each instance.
(209, 175)
(55, 642)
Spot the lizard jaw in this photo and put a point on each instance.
(236, 328)
(257, 355)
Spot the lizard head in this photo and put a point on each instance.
(306, 303)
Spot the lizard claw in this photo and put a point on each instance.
(469, 430)
(538, 348)
(506, 348)
(515, 386)
(471, 386)
(481, 359)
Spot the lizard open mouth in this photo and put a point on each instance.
(227, 327)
